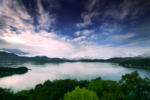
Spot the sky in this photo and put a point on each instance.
(76, 28)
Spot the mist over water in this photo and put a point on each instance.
(76, 70)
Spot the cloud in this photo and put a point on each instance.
(51, 43)
(89, 6)
(3, 43)
(45, 19)
(3, 3)
(79, 39)
(25, 38)
(143, 28)
(84, 32)
(15, 15)
(94, 37)
(87, 19)
(104, 52)
(120, 39)
(124, 37)
(128, 8)
(77, 33)
(87, 32)
(108, 27)
(39, 44)
(90, 14)
(52, 4)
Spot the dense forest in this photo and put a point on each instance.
(142, 63)
(9, 71)
(130, 87)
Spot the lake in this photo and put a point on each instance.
(76, 70)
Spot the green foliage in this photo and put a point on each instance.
(83, 83)
(143, 63)
(99, 78)
(135, 87)
(80, 94)
(48, 83)
(5, 94)
(10, 70)
(22, 95)
(107, 96)
(53, 90)
(113, 88)
(107, 88)
(96, 86)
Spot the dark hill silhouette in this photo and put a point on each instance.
(8, 71)
(10, 57)
(118, 59)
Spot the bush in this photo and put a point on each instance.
(81, 94)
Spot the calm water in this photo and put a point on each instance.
(78, 70)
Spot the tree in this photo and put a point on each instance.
(22, 95)
(83, 83)
(107, 96)
(81, 94)
(48, 83)
(5, 94)
(99, 78)
(107, 88)
(135, 87)
(113, 88)
(96, 86)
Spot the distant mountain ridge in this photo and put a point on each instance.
(5, 56)
(15, 51)
(136, 62)
(11, 57)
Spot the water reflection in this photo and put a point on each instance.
(78, 70)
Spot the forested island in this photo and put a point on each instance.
(130, 87)
(9, 71)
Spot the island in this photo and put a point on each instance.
(9, 71)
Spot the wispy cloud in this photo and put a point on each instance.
(90, 14)
(108, 27)
(94, 37)
(87, 32)
(2, 4)
(124, 37)
(79, 39)
(90, 5)
(45, 19)
(128, 8)
(87, 19)
(84, 32)
(77, 33)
